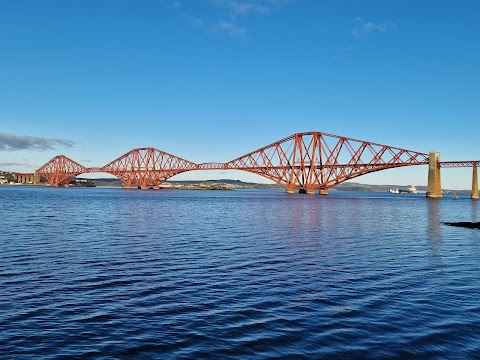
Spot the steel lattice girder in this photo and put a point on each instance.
(311, 161)
(457, 164)
(61, 170)
(317, 160)
(147, 167)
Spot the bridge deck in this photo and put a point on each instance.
(457, 164)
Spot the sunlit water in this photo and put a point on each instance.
(93, 273)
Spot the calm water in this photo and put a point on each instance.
(115, 274)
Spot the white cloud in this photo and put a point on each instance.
(175, 4)
(342, 52)
(372, 27)
(193, 20)
(226, 14)
(232, 28)
(243, 7)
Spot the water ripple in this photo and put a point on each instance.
(112, 274)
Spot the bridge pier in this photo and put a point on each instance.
(156, 188)
(30, 178)
(127, 187)
(306, 191)
(434, 189)
(475, 183)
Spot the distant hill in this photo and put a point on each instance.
(234, 183)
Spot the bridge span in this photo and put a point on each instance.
(305, 162)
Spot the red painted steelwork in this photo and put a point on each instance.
(147, 167)
(315, 160)
(61, 170)
(212, 166)
(307, 161)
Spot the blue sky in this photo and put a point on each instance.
(210, 80)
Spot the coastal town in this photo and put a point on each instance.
(6, 177)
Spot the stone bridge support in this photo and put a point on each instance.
(475, 183)
(434, 189)
(30, 178)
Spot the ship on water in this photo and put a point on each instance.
(411, 190)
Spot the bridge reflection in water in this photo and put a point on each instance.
(304, 162)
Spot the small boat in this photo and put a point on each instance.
(412, 190)
(455, 196)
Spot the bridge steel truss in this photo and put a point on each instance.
(317, 161)
(307, 162)
(61, 170)
(147, 167)
(458, 164)
(462, 164)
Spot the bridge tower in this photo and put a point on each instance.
(434, 189)
(475, 183)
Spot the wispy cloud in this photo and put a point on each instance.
(237, 9)
(243, 7)
(233, 29)
(279, 1)
(193, 20)
(371, 27)
(342, 53)
(25, 142)
(226, 16)
(174, 4)
(12, 164)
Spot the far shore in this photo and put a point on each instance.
(226, 184)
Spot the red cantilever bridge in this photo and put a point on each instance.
(307, 162)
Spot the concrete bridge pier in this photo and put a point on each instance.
(475, 183)
(434, 189)
(306, 191)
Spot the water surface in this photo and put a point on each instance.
(98, 273)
